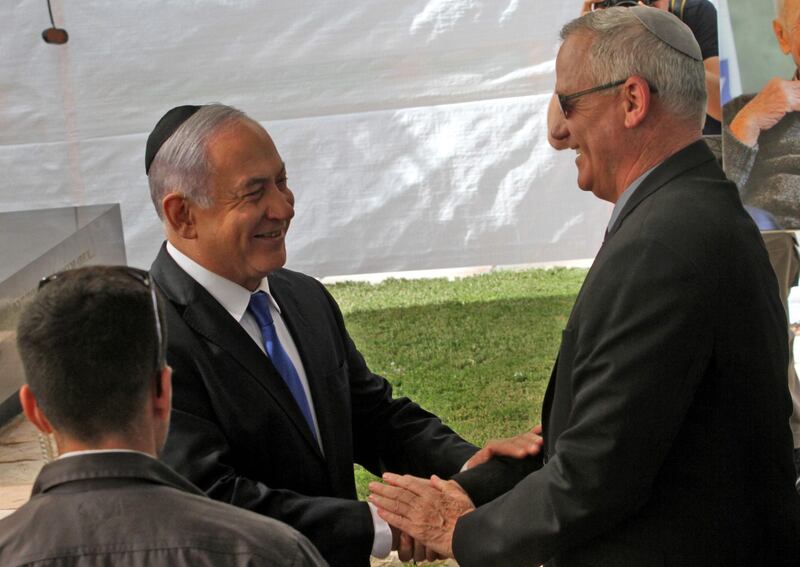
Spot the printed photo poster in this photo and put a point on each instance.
(761, 96)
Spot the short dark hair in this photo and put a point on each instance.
(88, 343)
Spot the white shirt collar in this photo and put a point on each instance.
(233, 297)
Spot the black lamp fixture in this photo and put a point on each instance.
(53, 34)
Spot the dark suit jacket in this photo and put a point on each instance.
(127, 509)
(238, 434)
(666, 418)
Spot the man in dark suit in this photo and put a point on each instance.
(92, 345)
(273, 402)
(666, 420)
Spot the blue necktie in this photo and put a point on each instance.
(259, 307)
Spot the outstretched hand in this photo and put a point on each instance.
(427, 510)
(524, 445)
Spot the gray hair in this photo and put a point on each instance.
(181, 164)
(779, 4)
(622, 47)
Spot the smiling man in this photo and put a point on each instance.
(666, 419)
(273, 403)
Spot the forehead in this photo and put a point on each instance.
(243, 148)
(571, 61)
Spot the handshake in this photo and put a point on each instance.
(423, 513)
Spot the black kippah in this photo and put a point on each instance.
(165, 128)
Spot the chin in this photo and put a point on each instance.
(273, 264)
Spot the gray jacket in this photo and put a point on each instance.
(127, 509)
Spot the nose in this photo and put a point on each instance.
(557, 131)
(279, 204)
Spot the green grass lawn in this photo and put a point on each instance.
(475, 351)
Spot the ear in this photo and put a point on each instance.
(781, 35)
(162, 395)
(32, 411)
(179, 215)
(636, 100)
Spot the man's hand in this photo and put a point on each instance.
(524, 445)
(777, 98)
(409, 549)
(425, 510)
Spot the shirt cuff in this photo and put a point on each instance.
(382, 544)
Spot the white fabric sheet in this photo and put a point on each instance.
(413, 132)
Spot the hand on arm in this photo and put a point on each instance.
(425, 510)
(776, 99)
(523, 445)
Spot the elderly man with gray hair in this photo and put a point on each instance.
(666, 420)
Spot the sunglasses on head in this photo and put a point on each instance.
(143, 277)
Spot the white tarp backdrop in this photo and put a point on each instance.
(413, 131)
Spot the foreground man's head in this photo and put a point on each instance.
(92, 344)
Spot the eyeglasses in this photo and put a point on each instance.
(564, 100)
(143, 278)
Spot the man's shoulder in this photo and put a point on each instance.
(690, 201)
(203, 513)
(294, 277)
(227, 529)
(166, 517)
(284, 282)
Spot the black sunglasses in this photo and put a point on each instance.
(143, 277)
(564, 100)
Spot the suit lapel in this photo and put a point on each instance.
(209, 319)
(307, 339)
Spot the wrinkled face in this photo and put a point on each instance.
(241, 235)
(592, 125)
(787, 30)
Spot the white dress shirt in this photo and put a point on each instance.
(235, 299)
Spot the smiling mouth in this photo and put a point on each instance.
(271, 234)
